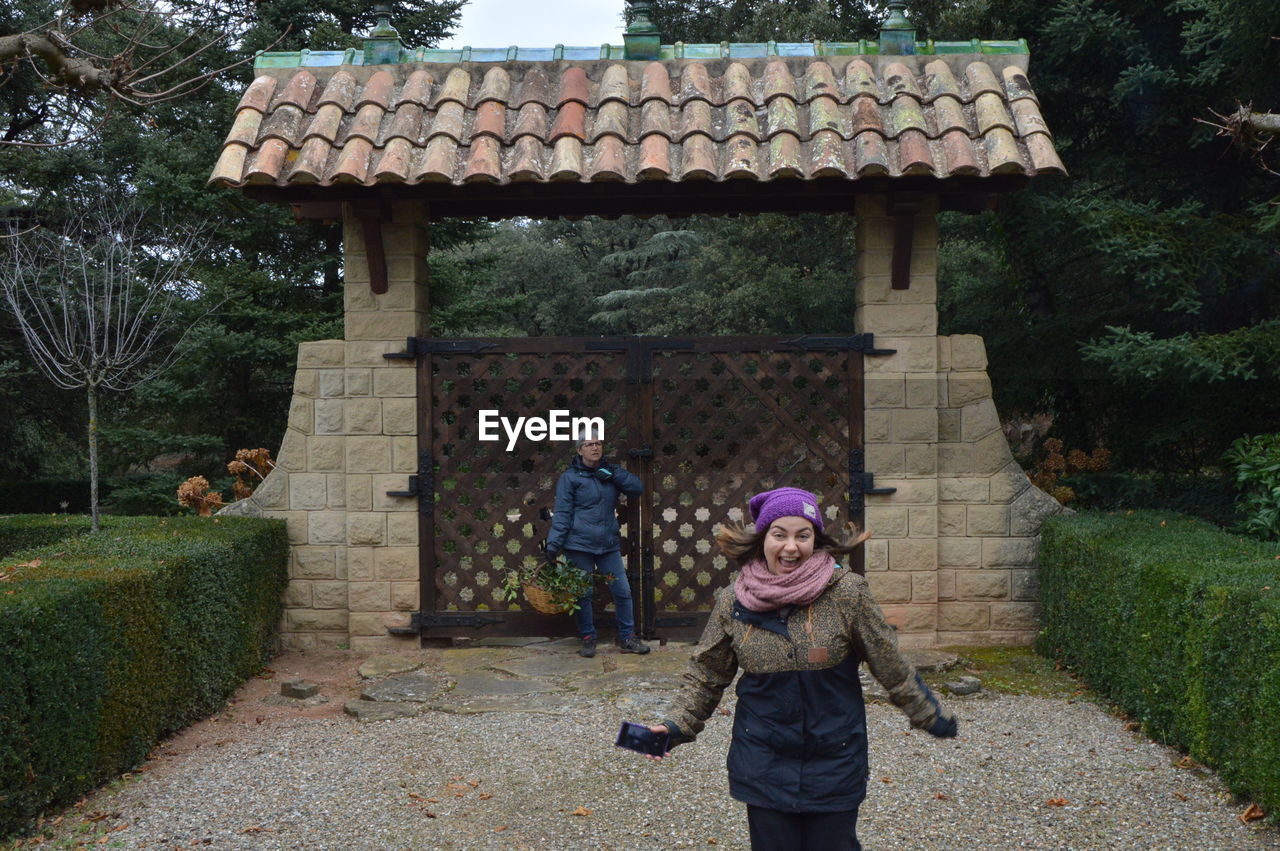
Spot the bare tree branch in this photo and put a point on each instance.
(100, 303)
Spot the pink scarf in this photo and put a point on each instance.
(761, 591)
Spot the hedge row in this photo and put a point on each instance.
(117, 639)
(1178, 622)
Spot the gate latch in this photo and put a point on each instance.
(861, 483)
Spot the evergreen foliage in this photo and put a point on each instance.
(111, 641)
(1179, 624)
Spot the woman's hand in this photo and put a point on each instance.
(660, 728)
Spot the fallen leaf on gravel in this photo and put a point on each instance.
(255, 828)
(415, 796)
(473, 783)
(724, 710)
(500, 828)
(711, 841)
(1132, 725)
(433, 800)
(428, 814)
(942, 796)
(886, 779)
(581, 811)
(96, 815)
(484, 796)
(1252, 814)
(1056, 802)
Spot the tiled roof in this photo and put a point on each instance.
(757, 119)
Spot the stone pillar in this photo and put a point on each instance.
(352, 437)
(901, 420)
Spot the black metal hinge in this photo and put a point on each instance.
(422, 621)
(416, 347)
(423, 485)
(864, 343)
(861, 483)
(675, 620)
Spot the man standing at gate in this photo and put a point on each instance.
(585, 529)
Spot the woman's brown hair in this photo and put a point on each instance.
(743, 543)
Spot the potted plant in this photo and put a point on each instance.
(553, 588)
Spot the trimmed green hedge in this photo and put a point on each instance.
(119, 638)
(1178, 622)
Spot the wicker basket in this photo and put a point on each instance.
(544, 602)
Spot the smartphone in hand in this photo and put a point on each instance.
(641, 739)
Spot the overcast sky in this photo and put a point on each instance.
(538, 23)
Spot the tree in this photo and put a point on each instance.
(101, 304)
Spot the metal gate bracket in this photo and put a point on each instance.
(862, 483)
(420, 622)
(423, 485)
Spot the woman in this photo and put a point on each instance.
(585, 529)
(798, 626)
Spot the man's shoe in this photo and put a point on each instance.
(631, 644)
(588, 648)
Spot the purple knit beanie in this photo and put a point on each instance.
(784, 502)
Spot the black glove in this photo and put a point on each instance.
(604, 473)
(551, 555)
(944, 728)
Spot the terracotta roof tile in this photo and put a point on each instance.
(571, 120)
(405, 123)
(655, 158)
(244, 129)
(484, 165)
(378, 90)
(655, 83)
(740, 118)
(367, 123)
(286, 123)
(296, 91)
(611, 120)
(395, 162)
(737, 83)
(258, 95)
(820, 80)
(960, 157)
(870, 155)
(456, 88)
(526, 160)
(742, 154)
(784, 156)
(607, 160)
(326, 123)
(309, 166)
(566, 159)
(535, 88)
(574, 86)
(614, 86)
(981, 79)
(778, 82)
(695, 117)
(491, 119)
(695, 83)
(496, 86)
(767, 118)
(531, 121)
(449, 121)
(860, 78)
(699, 158)
(439, 160)
(826, 155)
(907, 115)
(416, 89)
(655, 117)
(991, 113)
(939, 81)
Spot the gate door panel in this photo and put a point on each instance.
(704, 422)
(492, 504)
(732, 417)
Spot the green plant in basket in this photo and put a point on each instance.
(552, 588)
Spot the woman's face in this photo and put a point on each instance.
(591, 451)
(787, 544)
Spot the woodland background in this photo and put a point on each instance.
(1133, 306)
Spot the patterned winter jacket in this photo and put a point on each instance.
(799, 732)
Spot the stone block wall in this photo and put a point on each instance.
(952, 554)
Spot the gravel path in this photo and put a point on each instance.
(1025, 773)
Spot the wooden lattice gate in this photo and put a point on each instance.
(704, 422)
